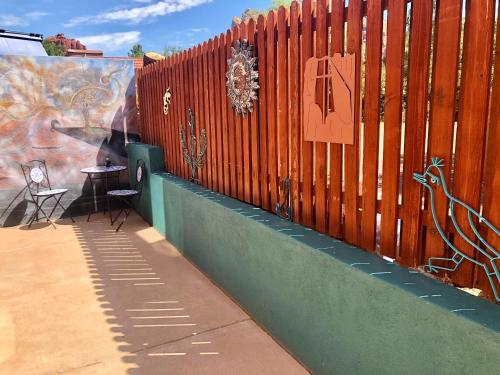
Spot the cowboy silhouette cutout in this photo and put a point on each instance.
(335, 122)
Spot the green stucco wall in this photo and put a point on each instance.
(153, 159)
(338, 309)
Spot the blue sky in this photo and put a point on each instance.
(115, 25)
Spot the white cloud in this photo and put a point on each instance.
(200, 30)
(112, 41)
(137, 14)
(36, 15)
(9, 20)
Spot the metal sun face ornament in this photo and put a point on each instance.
(242, 78)
(166, 100)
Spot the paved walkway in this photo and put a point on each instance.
(83, 299)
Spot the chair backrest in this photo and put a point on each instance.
(140, 174)
(36, 176)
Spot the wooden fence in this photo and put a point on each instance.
(439, 100)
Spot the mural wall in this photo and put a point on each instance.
(71, 112)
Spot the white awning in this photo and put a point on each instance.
(12, 46)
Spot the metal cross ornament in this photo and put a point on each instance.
(242, 78)
(195, 160)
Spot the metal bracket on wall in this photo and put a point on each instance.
(285, 209)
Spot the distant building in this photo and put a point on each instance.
(83, 52)
(15, 43)
(73, 47)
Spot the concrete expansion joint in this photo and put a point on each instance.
(188, 336)
(67, 371)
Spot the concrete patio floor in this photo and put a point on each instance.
(83, 299)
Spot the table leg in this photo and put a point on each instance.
(107, 198)
(93, 197)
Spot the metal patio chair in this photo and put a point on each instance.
(126, 196)
(38, 184)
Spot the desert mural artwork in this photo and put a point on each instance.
(333, 121)
(71, 112)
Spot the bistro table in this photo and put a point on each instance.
(101, 172)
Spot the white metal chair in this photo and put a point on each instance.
(38, 184)
(126, 196)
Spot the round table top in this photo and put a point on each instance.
(103, 169)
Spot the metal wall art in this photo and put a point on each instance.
(432, 179)
(335, 122)
(285, 209)
(242, 78)
(195, 160)
(166, 100)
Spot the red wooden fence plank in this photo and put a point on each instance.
(263, 131)
(231, 123)
(154, 107)
(371, 123)
(491, 205)
(200, 117)
(442, 108)
(271, 107)
(306, 214)
(176, 101)
(211, 110)
(472, 116)
(208, 128)
(191, 92)
(335, 191)
(217, 113)
(392, 125)
(320, 167)
(294, 106)
(238, 139)
(254, 131)
(196, 100)
(416, 118)
(223, 93)
(281, 99)
(170, 119)
(165, 118)
(245, 134)
(183, 119)
(185, 85)
(354, 36)
(147, 104)
(165, 137)
(141, 92)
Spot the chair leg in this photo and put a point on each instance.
(34, 217)
(124, 219)
(116, 217)
(58, 203)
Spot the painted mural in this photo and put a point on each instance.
(72, 112)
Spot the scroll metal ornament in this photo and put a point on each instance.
(195, 160)
(285, 209)
(242, 78)
(433, 179)
(166, 100)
